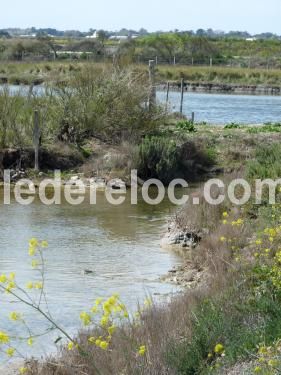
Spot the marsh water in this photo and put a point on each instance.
(212, 108)
(226, 108)
(119, 244)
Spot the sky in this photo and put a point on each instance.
(254, 16)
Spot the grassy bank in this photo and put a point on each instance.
(39, 72)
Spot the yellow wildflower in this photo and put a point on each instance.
(86, 318)
(31, 251)
(112, 300)
(258, 242)
(10, 352)
(91, 340)
(97, 342)
(14, 316)
(29, 285)
(219, 349)
(4, 338)
(103, 345)
(34, 263)
(70, 346)
(142, 350)
(44, 244)
(11, 285)
(38, 285)
(111, 329)
(12, 276)
(30, 341)
(23, 370)
(33, 242)
(3, 278)
(225, 214)
(104, 321)
(222, 239)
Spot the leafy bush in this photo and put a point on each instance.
(186, 126)
(106, 104)
(267, 163)
(232, 125)
(236, 321)
(266, 128)
(157, 157)
(160, 157)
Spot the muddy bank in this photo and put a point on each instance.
(61, 157)
(226, 88)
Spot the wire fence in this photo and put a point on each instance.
(272, 62)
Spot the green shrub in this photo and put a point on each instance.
(239, 320)
(160, 157)
(186, 126)
(232, 125)
(267, 163)
(157, 157)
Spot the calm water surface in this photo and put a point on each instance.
(119, 243)
(226, 108)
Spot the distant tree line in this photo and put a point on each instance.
(210, 33)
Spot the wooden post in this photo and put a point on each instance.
(36, 139)
(167, 95)
(174, 60)
(152, 96)
(211, 61)
(156, 60)
(182, 91)
(192, 117)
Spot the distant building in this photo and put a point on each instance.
(119, 37)
(28, 36)
(93, 36)
(251, 39)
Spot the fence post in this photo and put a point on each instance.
(36, 139)
(211, 61)
(167, 95)
(192, 117)
(182, 91)
(152, 96)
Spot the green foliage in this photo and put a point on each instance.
(267, 163)
(232, 125)
(160, 157)
(15, 119)
(266, 128)
(238, 320)
(186, 126)
(109, 105)
(157, 157)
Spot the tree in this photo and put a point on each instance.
(44, 38)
